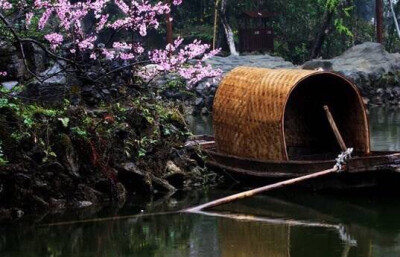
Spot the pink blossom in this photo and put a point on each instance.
(5, 5)
(103, 20)
(123, 6)
(109, 55)
(86, 43)
(54, 39)
(143, 30)
(126, 56)
(198, 72)
(45, 17)
(173, 59)
(122, 45)
(3, 73)
(137, 17)
(177, 2)
(28, 18)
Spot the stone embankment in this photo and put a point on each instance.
(375, 72)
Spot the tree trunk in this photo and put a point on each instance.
(323, 32)
(394, 18)
(228, 30)
(168, 23)
(379, 21)
(215, 33)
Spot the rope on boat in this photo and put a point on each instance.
(342, 158)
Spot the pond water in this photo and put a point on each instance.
(277, 224)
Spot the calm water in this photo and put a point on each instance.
(277, 224)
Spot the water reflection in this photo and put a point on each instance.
(385, 128)
(303, 225)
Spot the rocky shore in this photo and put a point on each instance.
(375, 72)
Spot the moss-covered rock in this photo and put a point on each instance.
(71, 157)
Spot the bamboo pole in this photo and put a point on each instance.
(335, 128)
(215, 24)
(259, 190)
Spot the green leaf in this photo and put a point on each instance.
(64, 121)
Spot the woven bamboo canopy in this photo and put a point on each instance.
(278, 114)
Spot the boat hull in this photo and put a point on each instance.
(378, 169)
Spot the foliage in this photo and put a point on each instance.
(295, 23)
(136, 131)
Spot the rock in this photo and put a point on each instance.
(201, 87)
(83, 204)
(369, 66)
(120, 194)
(396, 91)
(377, 100)
(171, 168)
(11, 60)
(9, 84)
(37, 57)
(57, 204)
(55, 88)
(38, 203)
(318, 64)
(379, 91)
(199, 101)
(89, 194)
(132, 177)
(174, 175)
(226, 64)
(204, 111)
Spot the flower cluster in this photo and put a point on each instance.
(175, 59)
(3, 73)
(54, 39)
(135, 16)
(5, 5)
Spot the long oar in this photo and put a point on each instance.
(259, 190)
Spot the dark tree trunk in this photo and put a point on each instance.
(168, 24)
(379, 21)
(323, 32)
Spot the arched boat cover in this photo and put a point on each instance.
(277, 114)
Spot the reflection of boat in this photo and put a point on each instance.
(305, 225)
(266, 233)
(271, 125)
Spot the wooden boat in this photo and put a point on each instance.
(378, 169)
(270, 125)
